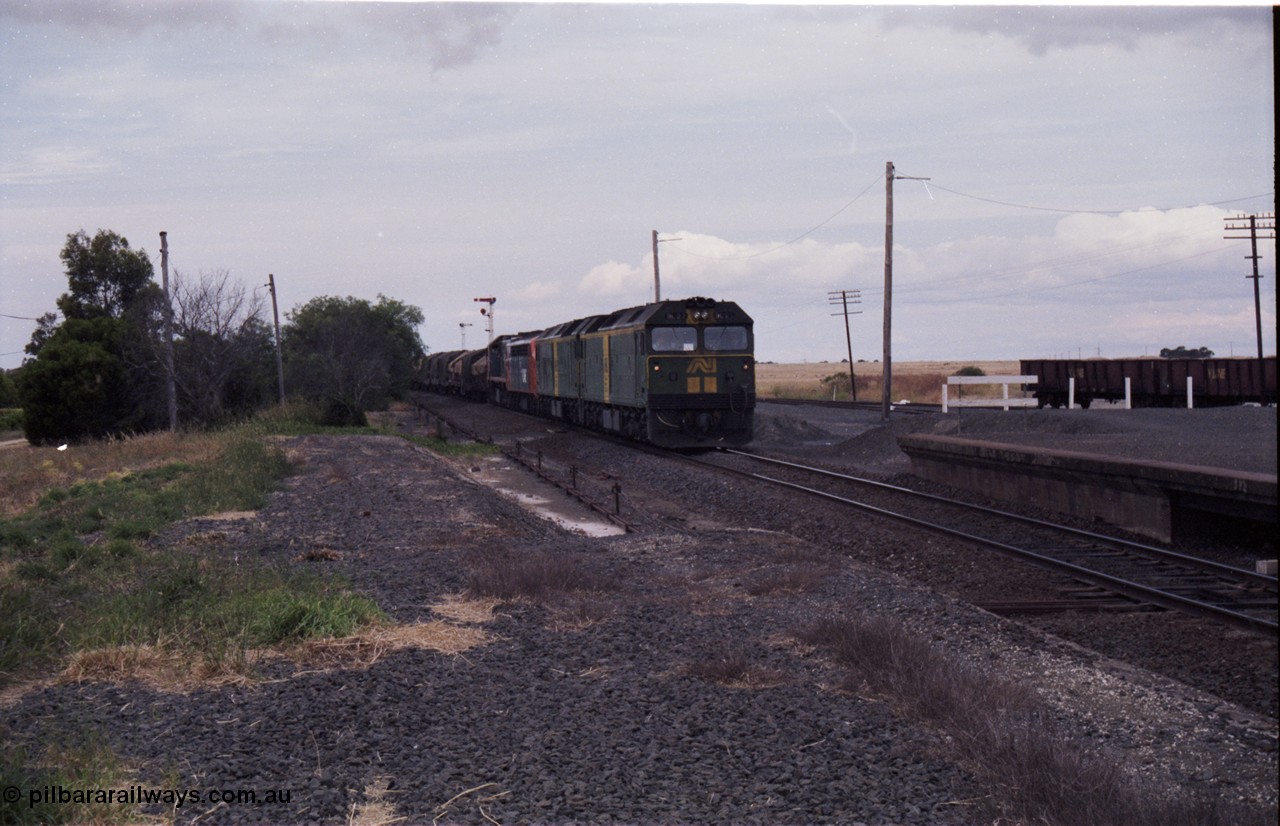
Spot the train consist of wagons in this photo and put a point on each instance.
(1154, 382)
(677, 374)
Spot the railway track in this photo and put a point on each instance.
(1115, 572)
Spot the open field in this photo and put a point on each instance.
(916, 381)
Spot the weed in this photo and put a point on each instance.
(78, 579)
(42, 779)
(788, 579)
(1038, 773)
(536, 575)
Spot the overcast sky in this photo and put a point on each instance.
(1082, 163)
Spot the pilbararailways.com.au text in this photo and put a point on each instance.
(143, 796)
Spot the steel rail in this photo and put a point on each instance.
(1136, 590)
(1268, 582)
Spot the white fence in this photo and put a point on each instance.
(1003, 402)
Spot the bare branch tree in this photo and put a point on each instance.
(216, 322)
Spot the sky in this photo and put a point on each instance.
(1081, 163)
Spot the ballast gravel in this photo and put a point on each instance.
(597, 707)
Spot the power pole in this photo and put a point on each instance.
(487, 312)
(843, 298)
(657, 282)
(886, 391)
(275, 315)
(1264, 222)
(463, 325)
(170, 383)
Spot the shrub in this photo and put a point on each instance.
(1038, 772)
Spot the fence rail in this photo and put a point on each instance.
(1004, 402)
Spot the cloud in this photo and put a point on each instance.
(450, 34)
(102, 18)
(55, 164)
(611, 278)
(1041, 28)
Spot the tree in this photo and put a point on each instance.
(104, 275)
(94, 374)
(222, 355)
(1183, 352)
(77, 387)
(350, 355)
(46, 325)
(8, 390)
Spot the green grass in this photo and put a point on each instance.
(40, 778)
(76, 571)
(85, 594)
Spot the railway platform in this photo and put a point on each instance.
(1152, 497)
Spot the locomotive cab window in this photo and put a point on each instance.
(725, 338)
(673, 339)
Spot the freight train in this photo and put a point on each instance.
(1154, 382)
(677, 374)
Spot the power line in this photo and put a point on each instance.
(799, 237)
(1089, 211)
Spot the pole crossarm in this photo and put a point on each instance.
(842, 299)
(1257, 226)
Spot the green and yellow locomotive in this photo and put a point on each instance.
(673, 373)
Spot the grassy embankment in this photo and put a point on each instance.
(86, 596)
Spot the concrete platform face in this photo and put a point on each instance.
(1145, 497)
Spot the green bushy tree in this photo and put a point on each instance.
(94, 373)
(350, 355)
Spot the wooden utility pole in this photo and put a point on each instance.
(275, 315)
(886, 366)
(170, 382)
(842, 298)
(886, 396)
(657, 282)
(1265, 222)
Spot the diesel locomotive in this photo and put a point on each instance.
(677, 374)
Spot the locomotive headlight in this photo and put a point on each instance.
(657, 368)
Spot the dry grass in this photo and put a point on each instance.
(461, 608)
(376, 810)
(166, 667)
(735, 670)
(919, 382)
(364, 649)
(799, 578)
(578, 613)
(28, 473)
(1037, 772)
(534, 575)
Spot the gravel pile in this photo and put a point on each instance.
(606, 707)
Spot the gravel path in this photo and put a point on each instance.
(590, 708)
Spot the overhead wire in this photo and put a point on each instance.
(799, 237)
(1089, 211)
